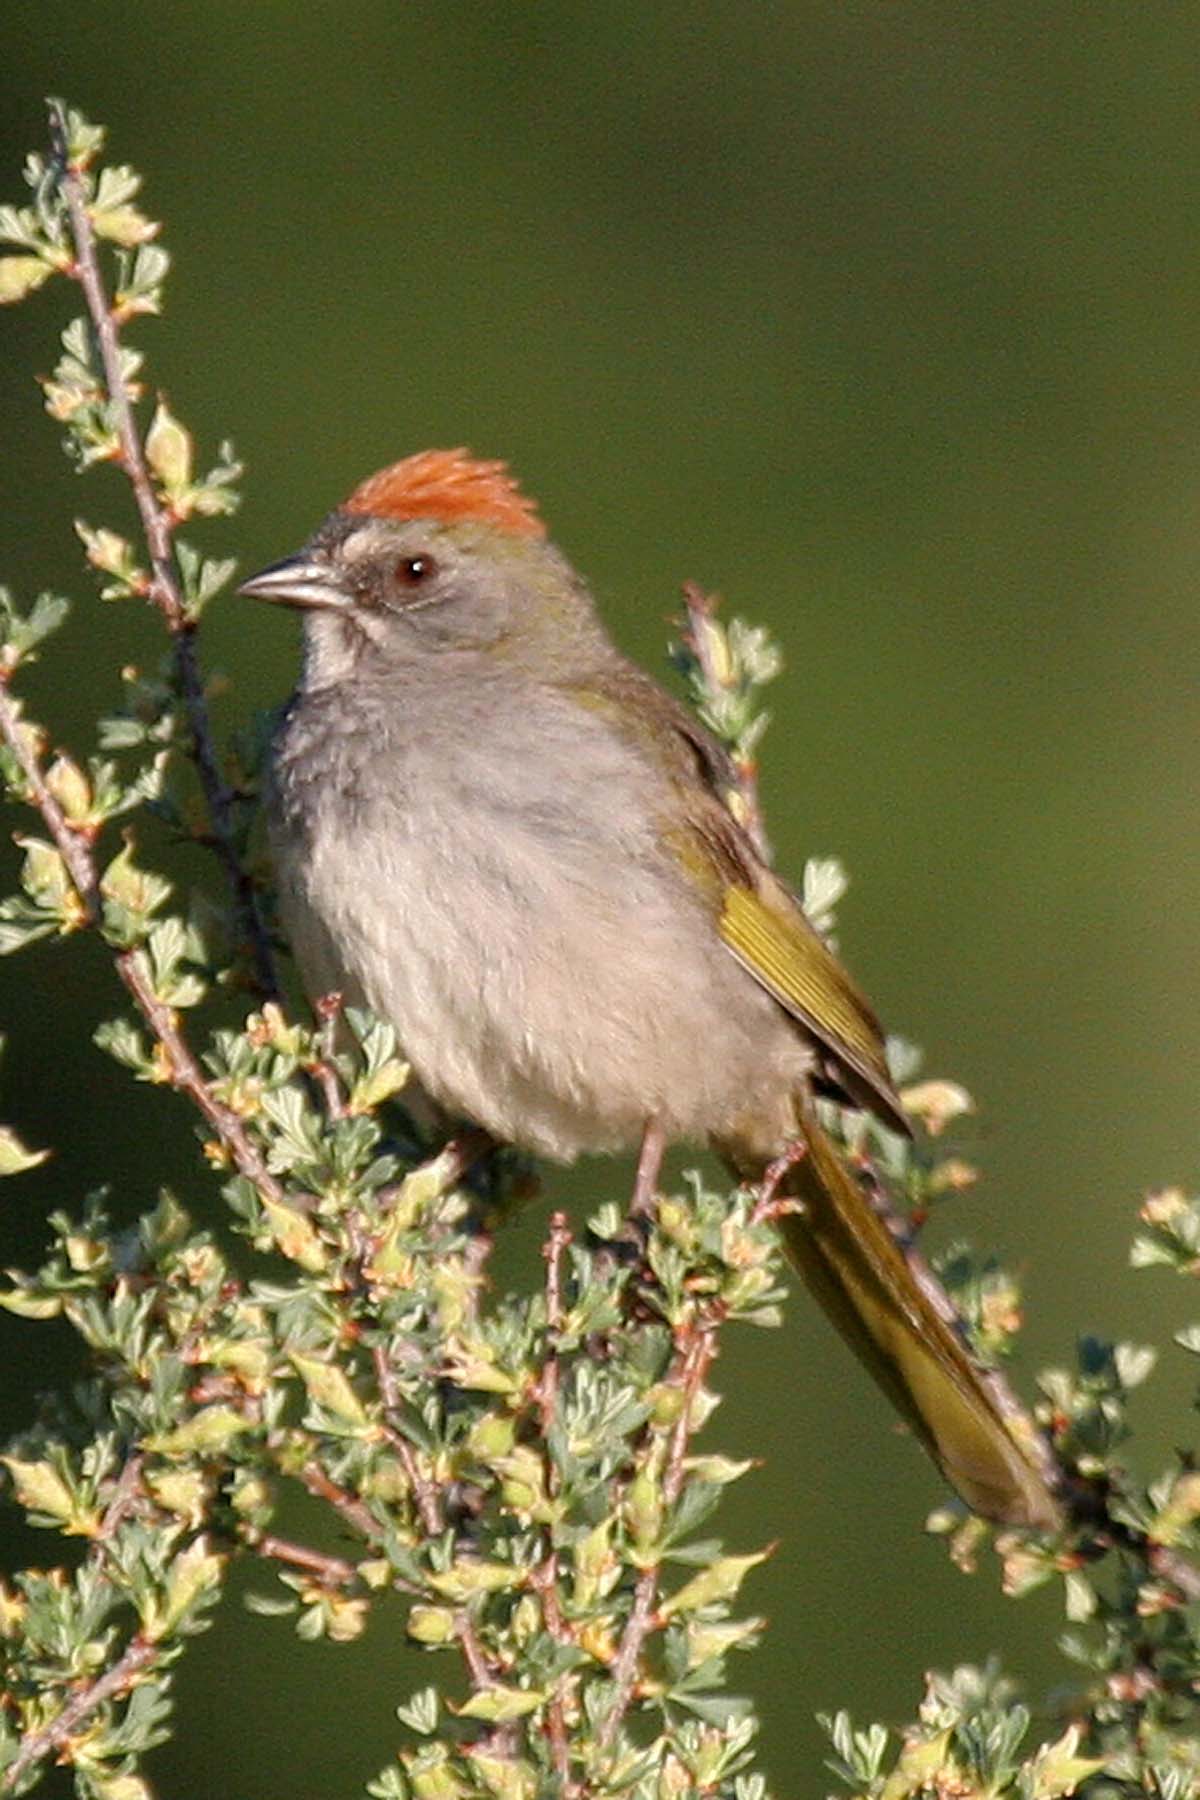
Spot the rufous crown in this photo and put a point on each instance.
(447, 485)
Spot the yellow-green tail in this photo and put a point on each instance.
(902, 1325)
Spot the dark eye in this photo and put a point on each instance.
(411, 571)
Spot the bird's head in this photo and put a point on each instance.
(436, 554)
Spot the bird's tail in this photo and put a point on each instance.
(902, 1325)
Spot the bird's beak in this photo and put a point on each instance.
(297, 581)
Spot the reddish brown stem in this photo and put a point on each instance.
(184, 1071)
(330, 1571)
(353, 1511)
(114, 1684)
(547, 1388)
(697, 1352)
(187, 1075)
(649, 1166)
(70, 844)
(472, 1649)
(424, 1491)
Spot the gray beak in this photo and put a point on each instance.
(297, 581)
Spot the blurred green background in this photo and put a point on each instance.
(884, 319)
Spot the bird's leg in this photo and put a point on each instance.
(769, 1205)
(645, 1186)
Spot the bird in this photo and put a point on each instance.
(503, 837)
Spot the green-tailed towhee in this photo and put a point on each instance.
(508, 841)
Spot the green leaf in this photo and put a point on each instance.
(713, 1585)
(193, 1579)
(466, 1578)
(421, 1712)
(14, 1157)
(329, 1388)
(21, 276)
(206, 1433)
(168, 448)
(130, 896)
(45, 1494)
(1058, 1769)
(499, 1705)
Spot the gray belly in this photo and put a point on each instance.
(555, 989)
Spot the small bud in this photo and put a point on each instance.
(169, 453)
(491, 1436)
(644, 1509)
(70, 787)
(1164, 1206)
(936, 1103)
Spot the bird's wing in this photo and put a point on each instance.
(766, 929)
(757, 917)
(761, 921)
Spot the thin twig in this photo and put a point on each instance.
(699, 1350)
(328, 1010)
(560, 1744)
(478, 1249)
(186, 1075)
(127, 1491)
(114, 1684)
(355, 1513)
(473, 1653)
(554, 1248)
(70, 843)
(331, 1571)
(424, 1491)
(699, 1358)
(546, 1579)
(182, 1069)
(166, 591)
(624, 1669)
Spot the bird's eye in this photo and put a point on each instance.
(411, 571)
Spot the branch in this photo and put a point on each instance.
(183, 1070)
(187, 1075)
(114, 1684)
(165, 591)
(70, 844)
(331, 1571)
(691, 1368)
